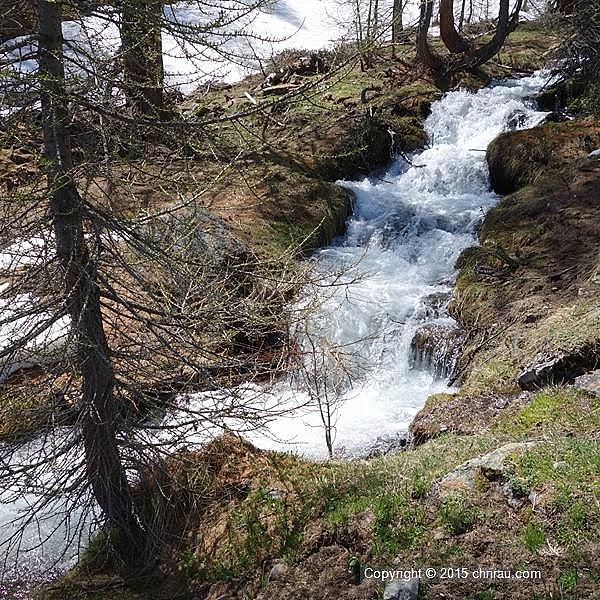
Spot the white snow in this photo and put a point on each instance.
(301, 24)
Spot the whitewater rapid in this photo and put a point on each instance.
(374, 290)
(395, 262)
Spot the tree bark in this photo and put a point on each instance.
(424, 53)
(450, 36)
(142, 56)
(506, 24)
(397, 25)
(472, 58)
(104, 469)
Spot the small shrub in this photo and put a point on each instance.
(458, 514)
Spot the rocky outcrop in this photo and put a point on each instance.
(528, 295)
(559, 368)
(491, 466)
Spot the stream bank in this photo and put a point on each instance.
(279, 526)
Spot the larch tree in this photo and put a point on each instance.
(141, 53)
(115, 310)
(103, 465)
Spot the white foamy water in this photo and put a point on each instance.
(408, 227)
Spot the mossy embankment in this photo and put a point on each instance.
(528, 296)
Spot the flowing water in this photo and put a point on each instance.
(386, 277)
(397, 265)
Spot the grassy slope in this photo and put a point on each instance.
(259, 507)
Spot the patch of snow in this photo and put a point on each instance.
(286, 24)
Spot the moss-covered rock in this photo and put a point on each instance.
(520, 158)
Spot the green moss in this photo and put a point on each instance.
(494, 375)
(533, 537)
(318, 217)
(553, 410)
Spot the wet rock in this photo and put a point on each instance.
(557, 117)
(387, 444)
(490, 466)
(402, 590)
(517, 119)
(436, 347)
(435, 304)
(590, 382)
(555, 97)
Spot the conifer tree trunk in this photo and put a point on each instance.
(397, 25)
(104, 469)
(142, 55)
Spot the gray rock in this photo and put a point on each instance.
(515, 498)
(275, 494)
(278, 571)
(490, 465)
(556, 368)
(590, 382)
(501, 403)
(517, 119)
(436, 347)
(402, 590)
(540, 371)
(387, 444)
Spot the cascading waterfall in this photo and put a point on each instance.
(391, 272)
(397, 261)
